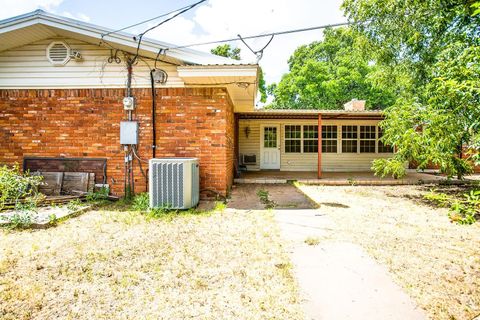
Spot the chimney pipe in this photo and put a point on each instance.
(355, 105)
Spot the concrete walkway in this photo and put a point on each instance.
(339, 280)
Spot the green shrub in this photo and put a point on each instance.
(141, 202)
(74, 205)
(440, 199)
(462, 211)
(15, 185)
(466, 211)
(20, 220)
(385, 167)
(101, 194)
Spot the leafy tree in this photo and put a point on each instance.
(225, 50)
(429, 53)
(326, 74)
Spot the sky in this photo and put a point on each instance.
(213, 20)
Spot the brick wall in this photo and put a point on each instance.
(191, 122)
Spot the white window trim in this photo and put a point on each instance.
(310, 139)
(360, 139)
(339, 138)
(285, 138)
(329, 139)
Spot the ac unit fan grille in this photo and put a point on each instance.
(168, 189)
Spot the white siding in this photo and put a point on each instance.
(307, 161)
(28, 67)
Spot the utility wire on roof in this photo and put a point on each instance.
(272, 34)
(140, 36)
(144, 21)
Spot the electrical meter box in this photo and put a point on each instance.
(129, 103)
(128, 132)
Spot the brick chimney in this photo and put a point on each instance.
(355, 105)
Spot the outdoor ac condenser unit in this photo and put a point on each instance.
(174, 183)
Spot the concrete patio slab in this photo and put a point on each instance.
(339, 280)
(343, 178)
(284, 196)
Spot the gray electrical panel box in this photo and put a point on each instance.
(128, 132)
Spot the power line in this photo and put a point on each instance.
(140, 36)
(176, 15)
(272, 34)
(144, 21)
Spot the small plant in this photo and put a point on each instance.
(351, 181)
(141, 202)
(385, 167)
(28, 205)
(462, 211)
(264, 198)
(440, 199)
(161, 212)
(20, 220)
(16, 186)
(312, 241)
(466, 211)
(52, 219)
(74, 205)
(101, 194)
(219, 206)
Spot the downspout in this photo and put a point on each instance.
(154, 135)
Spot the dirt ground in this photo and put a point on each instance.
(122, 265)
(435, 261)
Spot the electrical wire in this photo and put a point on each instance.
(143, 22)
(140, 56)
(140, 36)
(140, 160)
(258, 53)
(264, 35)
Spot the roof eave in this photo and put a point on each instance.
(186, 55)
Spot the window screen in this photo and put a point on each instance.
(367, 139)
(270, 137)
(349, 139)
(293, 139)
(310, 139)
(329, 139)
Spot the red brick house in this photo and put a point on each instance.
(62, 85)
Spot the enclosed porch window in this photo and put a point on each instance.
(293, 139)
(329, 139)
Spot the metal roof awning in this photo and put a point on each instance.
(311, 114)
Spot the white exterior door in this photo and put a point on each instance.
(270, 147)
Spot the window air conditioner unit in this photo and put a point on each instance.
(174, 183)
(249, 158)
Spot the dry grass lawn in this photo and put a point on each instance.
(436, 262)
(122, 265)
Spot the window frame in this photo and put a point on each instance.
(356, 145)
(339, 140)
(335, 139)
(292, 139)
(309, 138)
(370, 139)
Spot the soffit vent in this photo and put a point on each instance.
(58, 53)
